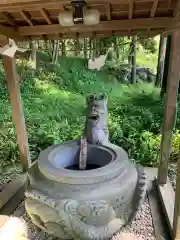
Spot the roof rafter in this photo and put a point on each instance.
(26, 17)
(7, 16)
(45, 14)
(154, 8)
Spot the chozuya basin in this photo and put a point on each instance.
(90, 204)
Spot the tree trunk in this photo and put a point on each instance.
(117, 49)
(33, 54)
(90, 47)
(97, 50)
(85, 48)
(94, 49)
(102, 51)
(63, 47)
(77, 47)
(53, 50)
(56, 52)
(166, 66)
(130, 54)
(161, 58)
(133, 74)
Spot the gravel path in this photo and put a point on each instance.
(141, 227)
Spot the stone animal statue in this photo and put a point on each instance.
(96, 126)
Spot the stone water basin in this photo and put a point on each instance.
(83, 204)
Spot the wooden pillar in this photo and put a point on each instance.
(170, 106)
(161, 59)
(17, 112)
(176, 220)
(166, 66)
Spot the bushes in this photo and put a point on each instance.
(54, 101)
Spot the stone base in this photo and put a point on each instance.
(87, 205)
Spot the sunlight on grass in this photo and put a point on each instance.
(147, 60)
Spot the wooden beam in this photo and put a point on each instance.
(17, 112)
(170, 106)
(10, 32)
(45, 14)
(7, 16)
(26, 17)
(57, 4)
(102, 26)
(154, 8)
(108, 11)
(176, 221)
(130, 13)
(99, 35)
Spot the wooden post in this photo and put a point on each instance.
(166, 66)
(161, 58)
(17, 112)
(170, 106)
(176, 220)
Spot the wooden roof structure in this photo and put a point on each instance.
(38, 19)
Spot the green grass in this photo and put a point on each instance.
(147, 59)
(54, 105)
